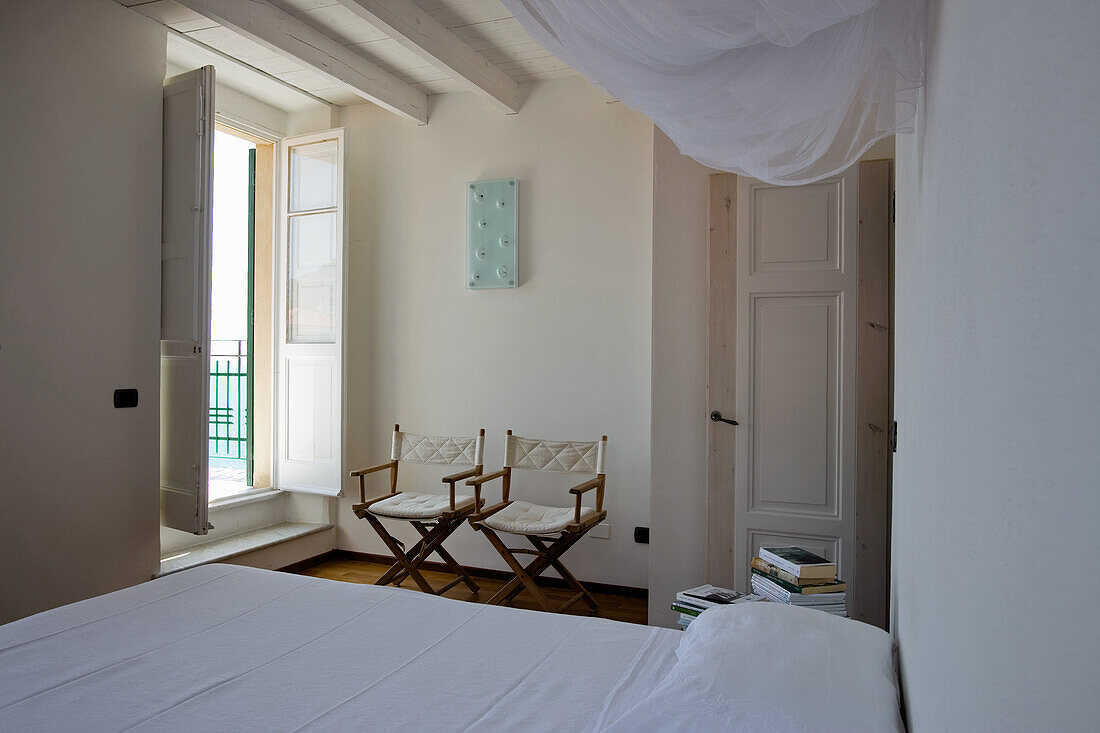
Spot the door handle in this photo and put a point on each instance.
(717, 417)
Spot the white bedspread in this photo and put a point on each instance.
(222, 648)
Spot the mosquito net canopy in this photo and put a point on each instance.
(787, 91)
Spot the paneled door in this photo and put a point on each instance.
(795, 369)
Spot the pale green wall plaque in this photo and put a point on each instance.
(491, 225)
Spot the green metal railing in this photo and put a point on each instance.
(231, 367)
(229, 398)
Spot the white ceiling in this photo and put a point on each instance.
(484, 25)
(184, 55)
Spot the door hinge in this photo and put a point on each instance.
(893, 208)
(894, 437)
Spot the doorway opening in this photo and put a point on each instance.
(239, 409)
(800, 353)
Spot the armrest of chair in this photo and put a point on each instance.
(456, 477)
(505, 474)
(479, 480)
(579, 489)
(488, 511)
(586, 486)
(363, 472)
(373, 469)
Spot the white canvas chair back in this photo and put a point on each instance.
(443, 450)
(563, 456)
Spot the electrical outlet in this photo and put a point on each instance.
(601, 531)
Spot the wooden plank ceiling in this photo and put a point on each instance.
(484, 26)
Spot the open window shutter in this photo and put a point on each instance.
(309, 336)
(186, 232)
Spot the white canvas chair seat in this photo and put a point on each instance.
(434, 516)
(413, 505)
(523, 517)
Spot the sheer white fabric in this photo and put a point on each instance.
(787, 91)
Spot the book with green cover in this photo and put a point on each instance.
(806, 590)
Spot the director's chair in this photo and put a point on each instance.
(551, 530)
(434, 516)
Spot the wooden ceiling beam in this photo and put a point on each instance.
(429, 39)
(288, 36)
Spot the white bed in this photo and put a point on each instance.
(223, 647)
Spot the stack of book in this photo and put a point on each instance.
(692, 602)
(800, 578)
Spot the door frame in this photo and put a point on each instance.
(872, 512)
(721, 362)
(874, 394)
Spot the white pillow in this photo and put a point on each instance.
(757, 667)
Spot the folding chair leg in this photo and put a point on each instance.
(507, 591)
(396, 574)
(407, 561)
(539, 564)
(457, 569)
(515, 586)
(575, 584)
(398, 553)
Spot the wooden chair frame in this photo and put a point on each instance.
(547, 548)
(433, 532)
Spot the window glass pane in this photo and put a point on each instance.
(313, 182)
(311, 279)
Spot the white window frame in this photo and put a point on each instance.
(324, 473)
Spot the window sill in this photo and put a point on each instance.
(223, 549)
(250, 498)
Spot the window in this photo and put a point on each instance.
(251, 365)
(309, 341)
(313, 222)
(231, 299)
(240, 315)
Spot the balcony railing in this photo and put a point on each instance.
(229, 400)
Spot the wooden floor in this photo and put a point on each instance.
(616, 607)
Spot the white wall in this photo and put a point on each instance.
(678, 501)
(247, 113)
(314, 119)
(565, 356)
(79, 295)
(996, 488)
